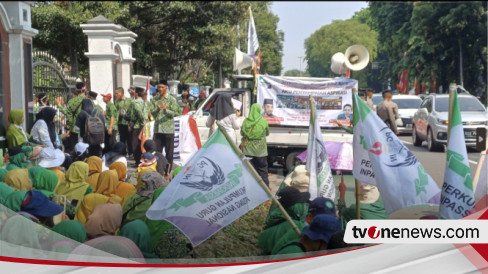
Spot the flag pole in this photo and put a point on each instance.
(259, 179)
(356, 182)
(452, 89)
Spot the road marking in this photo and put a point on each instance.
(473, 162)
(407, 143)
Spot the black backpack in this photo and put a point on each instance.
(94, 130)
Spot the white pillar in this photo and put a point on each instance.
(173, 86)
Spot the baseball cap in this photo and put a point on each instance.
(323, 226)
(38, 204)
(81, 147)
(321, 205)
(108, 95)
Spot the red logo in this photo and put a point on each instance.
(376, 148)
(373, 232)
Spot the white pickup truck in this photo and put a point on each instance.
(284, 142)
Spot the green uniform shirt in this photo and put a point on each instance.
(73, 109)
(123, 107)
(138, 113)
(164, 120)
(111, 112)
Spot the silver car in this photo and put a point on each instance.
(430, 122)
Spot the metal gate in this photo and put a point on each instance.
(49, 78)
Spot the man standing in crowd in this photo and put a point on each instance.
(111, 118)
(369, 99)
(388, 111)
(139, 119)
(201, 99)
(164, 127)
(73, 109)
(123, 106)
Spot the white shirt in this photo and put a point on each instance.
(121, 159)
(229, 123)
(40, 133)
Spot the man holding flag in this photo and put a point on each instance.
(457, 191)
(381, 159)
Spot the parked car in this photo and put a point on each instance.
(430, 122)
(407, 106)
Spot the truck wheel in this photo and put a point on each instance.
(292, 160)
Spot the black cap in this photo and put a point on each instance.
(93, 94)
(289, 196)
(268, 101)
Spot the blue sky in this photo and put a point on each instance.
(298, 20)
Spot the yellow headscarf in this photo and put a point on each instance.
(95, 168)
(75, 185)
(18, 179)
(124, 188)
(107, 183)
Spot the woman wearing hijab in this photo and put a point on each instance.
(5, 191)
(94, 170)
(136, 205)
(18, 179)
(88, 110)
(100, 248)
(14, 200)
(43, 180)
(108, 183)
(89, 202)
(123, 188)
(21, 239)
(162, 162)
(116, 154)
(253, 144)
(44, 131)
(17, 158)
(3, 173)
(75, 186)
(71, 229)
(223, 112)
(103, 221)
(138, 232)
(16, 135)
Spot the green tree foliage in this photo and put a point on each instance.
(296, 73)
(59, 28)
(337, 37)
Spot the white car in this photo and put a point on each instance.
(407, 106)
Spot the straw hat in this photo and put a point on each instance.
(299, 178)
(369, 194)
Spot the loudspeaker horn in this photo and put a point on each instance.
(241, 60)
(337, 63)
(356, 57)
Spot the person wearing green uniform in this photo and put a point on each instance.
(254, 130)
(111, 118)
(73, 109)
(314, 238)
(139, 116)
(123, 106)
(16, 135)
(164, 127)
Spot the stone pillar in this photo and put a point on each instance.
(108, 43)
(173, 86)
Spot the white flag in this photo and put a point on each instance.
(211, 191)
(321, 180)
(381, 159)
(457, 191)
(252, 37)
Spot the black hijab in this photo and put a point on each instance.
(47, 114)
(117, 151)
(222, 107)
